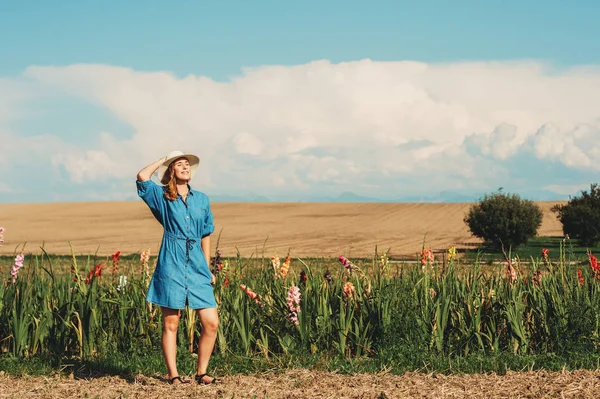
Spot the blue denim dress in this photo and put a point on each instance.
(182, 276)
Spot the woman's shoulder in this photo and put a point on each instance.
(202, 196)
(151, 184)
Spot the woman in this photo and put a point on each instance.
(182, 276)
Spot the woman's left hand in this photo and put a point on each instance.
(213, 279)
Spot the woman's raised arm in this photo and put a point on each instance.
(146, 173)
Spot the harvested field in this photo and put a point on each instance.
(307, 229)
(312, 384)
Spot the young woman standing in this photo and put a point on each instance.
(182, 276)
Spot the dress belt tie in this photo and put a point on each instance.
(189, 243)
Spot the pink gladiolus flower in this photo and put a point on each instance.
(293, 302)
(349, 290)
(347, 264)
(251, 294)
(18, 264)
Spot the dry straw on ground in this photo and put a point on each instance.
(316, 384)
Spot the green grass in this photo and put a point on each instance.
(573, 250)
(129, 365)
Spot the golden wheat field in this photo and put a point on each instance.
(305, 229)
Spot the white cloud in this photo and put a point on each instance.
(246, 143)
(348, 125)
(577, 147)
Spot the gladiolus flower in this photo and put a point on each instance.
(1, 235)
(580, 277)
(115, 261)
(545, 253)
(451, 254)
(426, 257)
(95, 272)
(349, 290)
(385, 261)
(275, 262)
(327, 275)
(122, 283)
(18, 264)
(347, 264)
(511, 272)
(594, 265)
(217, 263)
(285, 267)
(251, 294)
(303, 277)
(226, 282)
(293, 302)
(145, 260)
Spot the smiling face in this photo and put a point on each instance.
(182, 169)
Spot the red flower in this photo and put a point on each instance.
(580, 277)
(115, 256)
(545, 253)
(594, 264)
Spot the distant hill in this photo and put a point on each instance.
(350, 197)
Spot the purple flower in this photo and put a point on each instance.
(217, 264)
(303, 277)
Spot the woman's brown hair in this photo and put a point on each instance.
(170, 184)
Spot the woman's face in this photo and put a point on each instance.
(182, 169)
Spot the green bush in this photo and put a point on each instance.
(504, 220)
(580, 217)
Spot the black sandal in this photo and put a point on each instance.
(172, 380)
(199, 379)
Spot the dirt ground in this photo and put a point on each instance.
(311, 384)
(306, 229)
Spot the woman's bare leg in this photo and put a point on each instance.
(169, 340)
(209, 319)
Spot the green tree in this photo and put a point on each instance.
(504, 219)
(580, 217)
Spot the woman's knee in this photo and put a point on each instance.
(170, 320)
(211, 324)
(210, 320)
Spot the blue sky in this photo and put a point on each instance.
(300, 100)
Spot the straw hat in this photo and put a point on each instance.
(172, 156)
